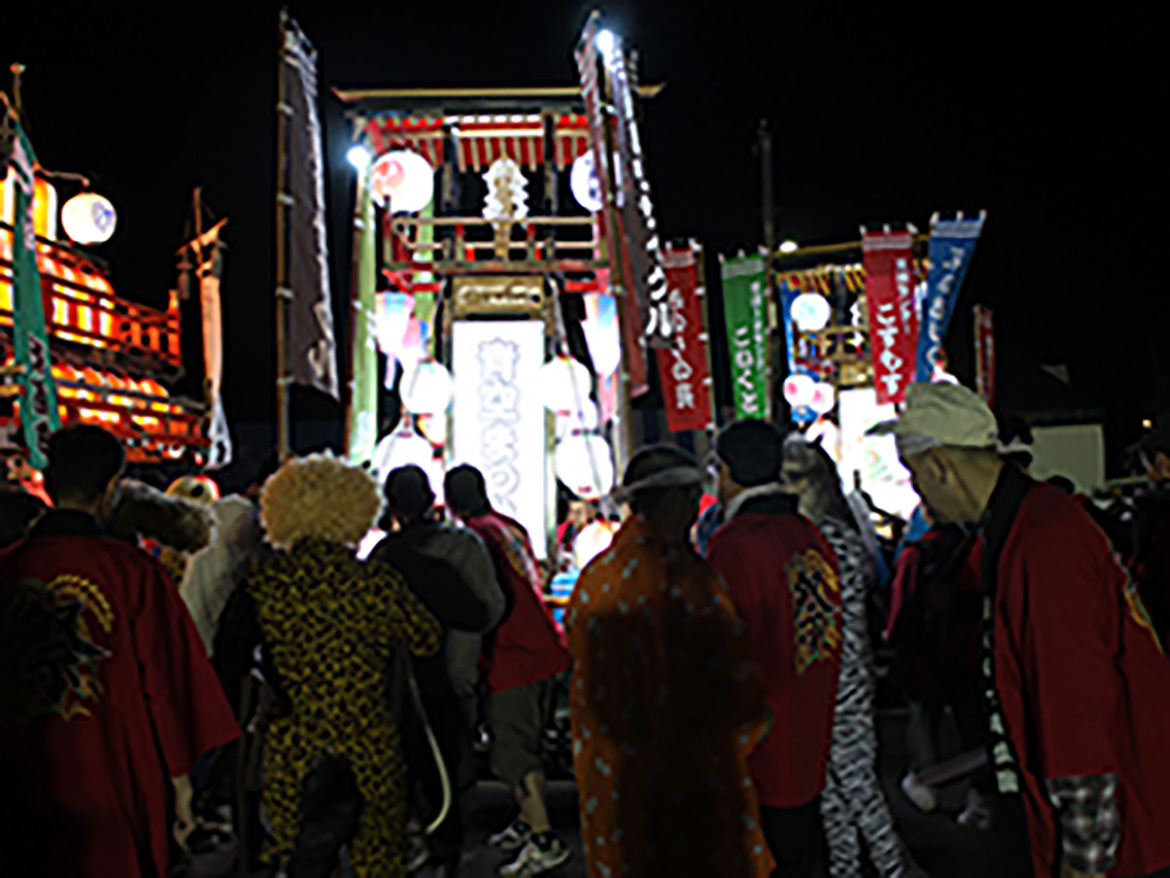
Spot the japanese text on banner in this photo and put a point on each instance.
(744, 308)
(889, 287)
(682, 370)
(952, 243)
(985, 354)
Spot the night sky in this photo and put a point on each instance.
(887, 114)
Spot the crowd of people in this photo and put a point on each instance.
(170, 658)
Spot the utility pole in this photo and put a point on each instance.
(768, 210)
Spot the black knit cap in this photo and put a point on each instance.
(753, 451)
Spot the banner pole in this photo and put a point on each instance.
(623, 449)
(348, 388)
(283, 202)
(705, 310)
(768, 209)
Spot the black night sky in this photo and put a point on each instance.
(882, 112)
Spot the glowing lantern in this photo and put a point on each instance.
(811, 312)
(565, 384)
(89, 218)
(585, 465)
(584, 183)
(799, 390)
(602, 333)
(824, 398)
(426, 388)
(402, 180)
(45, 208)
(584, 420)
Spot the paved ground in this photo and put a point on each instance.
(942, 848)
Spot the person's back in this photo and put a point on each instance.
(1086, 648)
(109, 694)
(784, 582)
(528, 646)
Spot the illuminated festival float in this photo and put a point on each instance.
(113, 360)
(479, 212)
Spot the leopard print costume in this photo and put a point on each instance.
(331, 624)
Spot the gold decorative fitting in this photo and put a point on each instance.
(498, 295)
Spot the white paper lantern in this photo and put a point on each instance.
(564, 384)
(585, 465)
(584, 183)
(824, 398)
(799, 390)
(585, 420)
(403, 447)
(426, 388)
(404, 178)
(89, 218)
(811, 312)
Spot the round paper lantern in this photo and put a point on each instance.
(824, 398)
(799, 390)
(403, 447)
(403, 180)
(585, 465)
(426, 388)
(584, 183)
(565, 384)
(811, 312)
(89, 218)
(585, 420)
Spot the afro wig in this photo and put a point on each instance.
(319, 497)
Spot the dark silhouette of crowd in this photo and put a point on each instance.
(181, 670)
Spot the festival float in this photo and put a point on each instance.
(114, 361)
(478, 213)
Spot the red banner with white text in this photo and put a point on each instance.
(889, 301)
(985, 355)
(682, 370)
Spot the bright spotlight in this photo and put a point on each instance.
(789, 247)
(359, 157)
(606, 43)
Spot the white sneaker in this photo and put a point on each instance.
(977, 814)
(534, 860)
(514, 836)
(920, 794)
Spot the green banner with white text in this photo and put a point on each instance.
(38, 400)
(746, 314)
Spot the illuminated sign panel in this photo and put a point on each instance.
(498, 418)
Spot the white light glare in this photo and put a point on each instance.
(789, 247)
(359, 157)
(606, 43)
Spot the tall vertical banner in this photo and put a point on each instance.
(682, 370)
(613, 234)
(640, 238)
(312, 349)
(952, 244)
(362, 425)
(985, 355)
(889, 290)
(38, 400)
(210, 274)
(745, 312)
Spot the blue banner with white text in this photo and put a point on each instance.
(952, 243)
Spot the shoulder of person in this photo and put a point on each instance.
(1053, 532)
